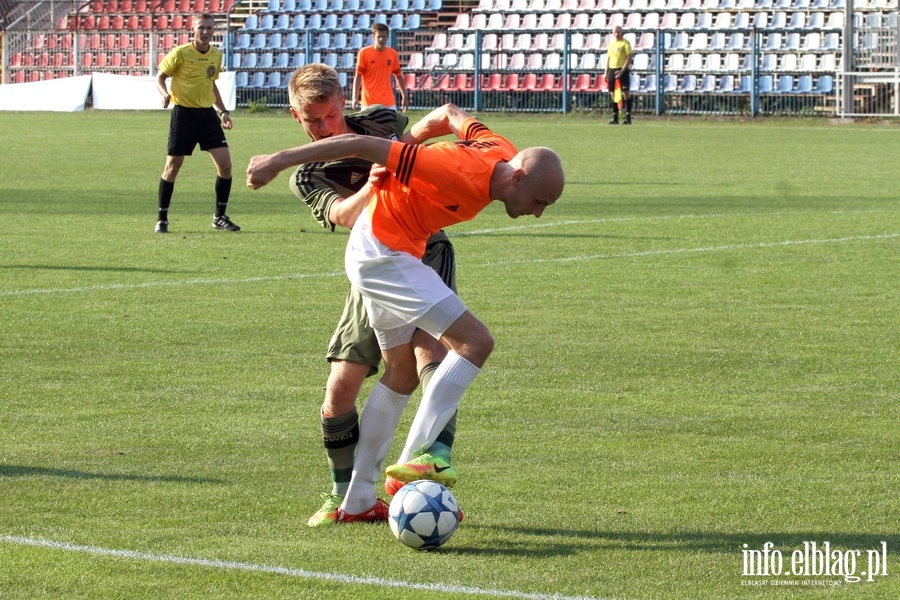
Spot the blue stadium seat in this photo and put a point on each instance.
(804, 85)
(298, 60)
(291, 41)
(249, 60)
(766, 84)
(785, 84)
(240, 79)
(825, 84)
(670, 83)
(266, 60)
(274, 80)
(688, 84)
(726, 84)
(252, 22)
(267, 21)
(243, 41)
(259, 79)
(707, 84)
(282, 60)
(413, 21)
(746, 85)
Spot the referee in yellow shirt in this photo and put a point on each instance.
(618, 70)
(194, 68)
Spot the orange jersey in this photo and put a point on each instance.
(375, 68)
(436, 186)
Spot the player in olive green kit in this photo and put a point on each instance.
(194, 68)
(317, 103)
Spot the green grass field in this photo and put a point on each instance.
(697, 354)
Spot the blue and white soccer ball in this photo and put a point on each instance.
(423, 515)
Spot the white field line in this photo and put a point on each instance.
(286, 571)
(662, 252)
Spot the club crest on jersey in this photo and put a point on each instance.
(210, 71)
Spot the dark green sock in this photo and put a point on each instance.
(340, 435)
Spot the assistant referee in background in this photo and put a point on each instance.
(194, 68)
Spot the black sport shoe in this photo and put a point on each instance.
(614, 120)
(162, 227)
(627, 120)
(224, 223)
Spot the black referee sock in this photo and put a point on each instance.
(165, 198)
(223, 192)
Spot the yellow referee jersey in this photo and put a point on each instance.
(617, 53)
(193, 74)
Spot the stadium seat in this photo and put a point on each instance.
(707, 84)
(726, 84)
(670, 84)
(785, 84)
(804, 85)
(745, 86)
(825, 84)
(688, 84)
(788, 63)
(274, 80)
(766, 84)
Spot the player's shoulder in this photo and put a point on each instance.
(378, 121)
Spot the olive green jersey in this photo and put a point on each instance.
(319, 184)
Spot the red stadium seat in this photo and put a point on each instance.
(177, 22)
(140, 6)
(493, 82)
(510, 83)
(548, 82)
(103, 22)
(529, 82)
(162, 22)
(133, 22)
(118, 22)
(87, 60)
(582, 83)
(186, 6)
(461, 83)
(126, 6)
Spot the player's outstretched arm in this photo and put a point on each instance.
(264, 168)
(445, 120)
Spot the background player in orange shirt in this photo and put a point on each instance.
(423, 192)
(375, 66)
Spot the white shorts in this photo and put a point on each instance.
(400, 292)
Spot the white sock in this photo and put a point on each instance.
(439, 402)
(377, 425)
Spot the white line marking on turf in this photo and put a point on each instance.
(671, 251)
(287, 571)
(725, 248)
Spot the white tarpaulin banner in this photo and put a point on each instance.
(67, 94)
(122, 92)
(110, 92)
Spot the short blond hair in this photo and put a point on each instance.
(312, 84)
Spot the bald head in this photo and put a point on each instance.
(533, 180)
(543, 171)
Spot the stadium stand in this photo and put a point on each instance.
(506, 54)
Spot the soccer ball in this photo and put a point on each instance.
(423, 515)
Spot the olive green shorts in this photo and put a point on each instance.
(354, 340)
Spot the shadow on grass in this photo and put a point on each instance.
(18, 471)
(527, 541)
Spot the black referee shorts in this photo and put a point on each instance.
(191, 126)
(624, 79)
